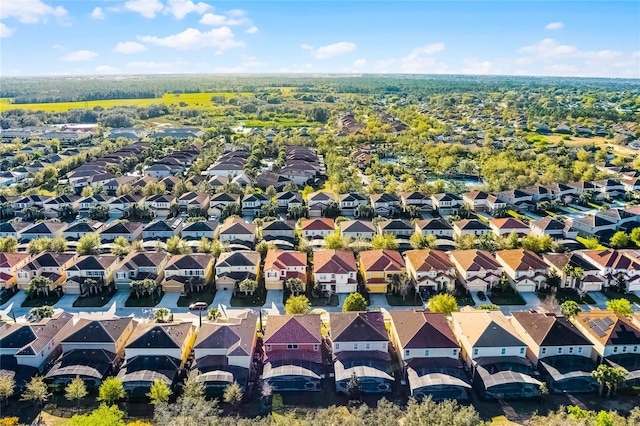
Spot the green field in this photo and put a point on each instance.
(193, 100)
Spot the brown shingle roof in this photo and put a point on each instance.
(381, 260)
(301, 329)
(422, 329)
(475, 260)
(428, 260)
(160, 336)
(547, 329)
(358, 327)
(334, 262)
(521, 260)
(487, 328)
(609, 328)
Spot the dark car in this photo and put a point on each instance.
(481, 296)
(198, 306)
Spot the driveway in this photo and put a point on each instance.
(273, 302)
(222, 297)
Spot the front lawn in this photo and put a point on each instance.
(323, 301)
(464, 300)
(411, 300)
(143, 302)
(205, 295)
(258, 298)
(36, 302)
(564, 294)
(507, 297)
(615, 294)
(96, 301)
(5, 296)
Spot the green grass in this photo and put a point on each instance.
(564, 294)
(256, 299)
(594, 205)
(584, 242)
(5, 296)
(50, 300)
(281, 122)
(515, 214)
(143, 302)
(508, 297)
(206, 295)
(92, 301)
(614, 294)
(410, 300)
(464, 300)
(318, 302)
(193, 100)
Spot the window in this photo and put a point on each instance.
(315, 347)
(337, 346)
(580, 349)
(455, 352)
(521, 351)
(615, 349)
(624, 349)
(269, 347)
(475, 351)
(571, 349)
(355, 346)
(426, 352)
(407, 352)
(560, 350)
(292, 346)
(367, 345)
(544, 351)
(635, 349)
(503, 351)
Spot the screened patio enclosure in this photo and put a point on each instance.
(506, 378)
(568, 373)
(439, 378)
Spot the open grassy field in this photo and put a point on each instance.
(192, 100)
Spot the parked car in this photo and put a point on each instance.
(198, 306)
(482, 296)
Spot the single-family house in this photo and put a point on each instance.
(155, 352)
(195, 231)
(385, 205)
(506, 226)
(10, 263)
(430, 355)
(288, 199)
(397, 227)
(335, 271)
(91, 351)
(477, 270)
(379, 268)
(49, 265)
(349, 203)
(43, 230)
(140, 265)
(616, 267)
(558, 349)
(252, 203)
(223, 352)
(77, 230)
(574, 271)
(525, 270)
(281, 265)
(234, 267)
(317, 228)
(234, 230)
(553, 227)
(473, 227)
(99, 268)
(358, 229)
(293, 351)
(186, 273)
(416, 200)
(130, 230)
(438, 227)
(218, 202)
(430, 269)
(162, 230)
(360, 345)
(446, 204)
(318, 202)
(495, 354)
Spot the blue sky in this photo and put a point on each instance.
(47, 37)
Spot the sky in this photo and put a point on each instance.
(570, 38)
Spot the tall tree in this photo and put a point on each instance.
(570, 308)
(297, 305)
(7, 387)
(620, 306)
(354, 302)
(76, 389)
(36, 391)
(102, 416)
(233, 395)
(89, 244)
(159, 392)
(443, 303)
(111, 390)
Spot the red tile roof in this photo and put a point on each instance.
(318, 225)
(334, 262)
(381, 260)
(428, 260)
(281, 259)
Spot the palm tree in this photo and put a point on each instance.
(161, 313)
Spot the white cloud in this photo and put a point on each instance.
(252, 30)
(549, 50)
(330, 50)
(57, 46)
(220, 20)
(555, 25)
(97, 13)
(421, 61)
(359, 63)
(5, 31)
(146, 8)
(128, 47)
(181, 8)
(635, 54)
(473, 66)
(80, 55)
(191, 38)
(107, 69)
(563, 69)
(251, 62)
(30, 11)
